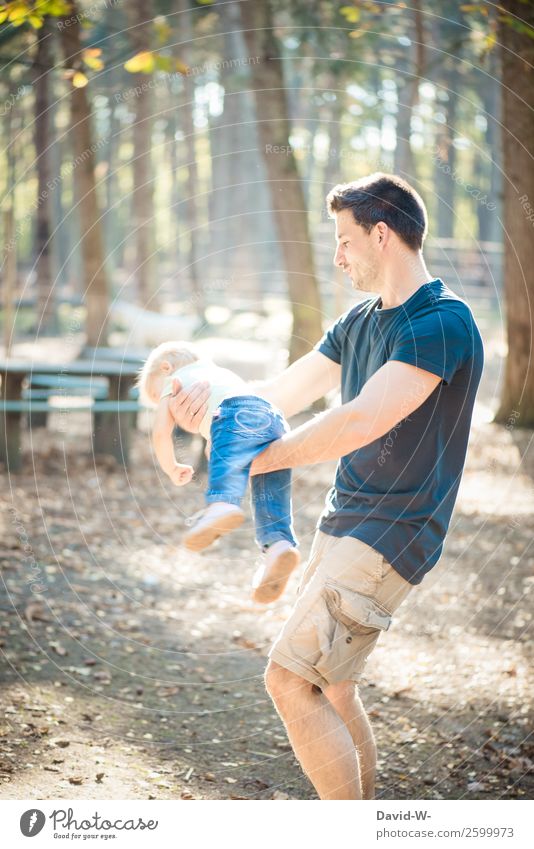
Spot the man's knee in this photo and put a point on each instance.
(343, 691)
(282, 684)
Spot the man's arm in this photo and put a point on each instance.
(304, 382)
(389, 396)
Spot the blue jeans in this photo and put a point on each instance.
(241, 428)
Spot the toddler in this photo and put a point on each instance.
(238, 425)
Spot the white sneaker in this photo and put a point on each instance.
(208, 525)
(271, 578)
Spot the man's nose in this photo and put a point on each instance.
(339, 260)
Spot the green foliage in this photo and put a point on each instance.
(149, 61)
(20, 12)
(486, 12)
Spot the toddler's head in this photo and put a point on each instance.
(161, 363)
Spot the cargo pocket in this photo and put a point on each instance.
(312, 638)
(357, 623)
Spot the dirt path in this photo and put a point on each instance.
(137, 671)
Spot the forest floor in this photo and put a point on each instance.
(137, 671)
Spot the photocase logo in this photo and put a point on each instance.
(32, 822)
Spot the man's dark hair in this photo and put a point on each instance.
(383, 197)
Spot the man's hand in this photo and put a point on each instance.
(181, 474)
(188, 406)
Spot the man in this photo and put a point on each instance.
(409, 361)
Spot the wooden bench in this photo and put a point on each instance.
(30, 406)
(42, 387)
(112, 417)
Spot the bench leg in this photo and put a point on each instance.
(10, 441)
(111, 431)
(37, 420)
(111, 435)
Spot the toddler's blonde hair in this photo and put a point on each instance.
(176, 353)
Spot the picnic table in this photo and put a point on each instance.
(112, 418)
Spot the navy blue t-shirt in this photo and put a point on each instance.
(397, 493)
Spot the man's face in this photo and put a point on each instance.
(356, 252)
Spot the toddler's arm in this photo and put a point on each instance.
(179, 473)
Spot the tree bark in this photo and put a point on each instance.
(191, 187)
(239, 197)
(408, 98)
(445, 161)
(139, 18)
(517, 399)
(95, 283)
(42, 139)
(284, 181)
(489, 229)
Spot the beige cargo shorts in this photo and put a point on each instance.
(345, 600)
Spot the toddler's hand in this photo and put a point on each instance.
(181, 475)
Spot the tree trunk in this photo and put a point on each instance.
(489, 227)
(62, 260)
(239, 197)
(445, 161)
(42, 138)
(332, 174)
(191, 187)
(517, 399)
(8, 267)
(139, 19)
(284, 180)
(95, 283)
(173, 256)
(408, 98)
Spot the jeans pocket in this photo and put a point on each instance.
(251, 422)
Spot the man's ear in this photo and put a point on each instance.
(166, 367)
(382, 233)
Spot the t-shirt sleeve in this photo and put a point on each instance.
(331, 344)
(439, 343)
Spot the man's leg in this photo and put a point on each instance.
(318, 646)
(319, 736)
(344, 697)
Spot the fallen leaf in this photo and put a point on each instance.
(59, 649)
(476, 786)
(35, 612)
